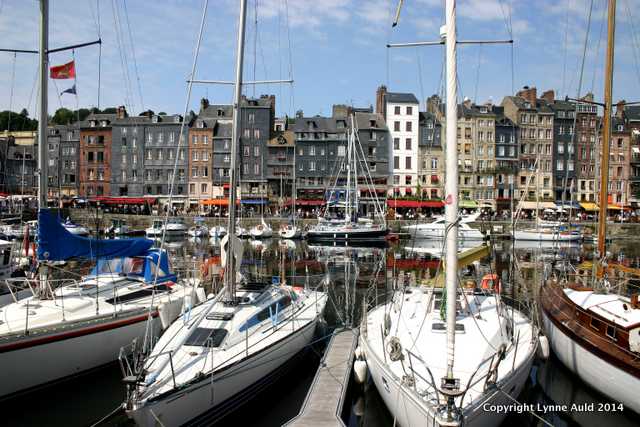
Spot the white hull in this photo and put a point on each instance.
(290, 233)
(217, 232)
(438, 233)
(597, 373)
(6, 298)
(261, 232)
(198, 232)
(45, 363)
(546, 236)
(76, 230)
(224, 390)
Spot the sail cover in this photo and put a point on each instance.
(55, 243)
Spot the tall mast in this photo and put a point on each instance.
(42, 119)
(451, 183)
(235, 137)
(294, 191)
(348, 196)
(606, 129)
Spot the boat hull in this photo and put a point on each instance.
(546, 236)
(439, 234)
(409, 409)
(593, 370)
(45, 359)
(211, 398)
(347, 236)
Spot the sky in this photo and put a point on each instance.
(335, 51)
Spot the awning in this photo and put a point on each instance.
(467, 204)
(614, 207)
(589, 207)
(434, 178)
(317, 202)
(415, 203)
(124, 200)
(254, 202)
(536, 205)
(567, 205)
(216, 202)
(225, 186)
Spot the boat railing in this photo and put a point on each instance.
(17, 284)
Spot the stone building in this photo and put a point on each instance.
(62, 166)
(431, 158)
(400, 112)
(506, 159)
(95, 154)
(619, 154)
(18, 166)
(632, 114)
(535, 122)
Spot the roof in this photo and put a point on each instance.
(364, 119)
(401, 98)
(632, 112)
(319, 124)
(609, 306)
(282, 139)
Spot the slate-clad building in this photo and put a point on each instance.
(431, 159)
(564, 147)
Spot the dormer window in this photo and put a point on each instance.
(620, 128)
(200, 123)
(154, 119)
(483, 109)
(177, 119)
(220, 112)
(372, 123)
(93, 123)
(103, 123)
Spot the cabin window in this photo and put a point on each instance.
(595, 323)
(611, 332)
(207, 337)
(265, 313)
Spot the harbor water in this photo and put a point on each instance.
(356, 275)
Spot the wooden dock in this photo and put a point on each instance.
(323, 405)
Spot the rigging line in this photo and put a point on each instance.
(123, 56)
(584, 52)
(255, 43)
(597, 56)
(634, 38)
(475, 90)
(292, 100)
(419, 74)
(564, 48)
(133, 53)
(280, 51)
(182, 127)
(13, 79)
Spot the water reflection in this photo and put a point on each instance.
(355, 275)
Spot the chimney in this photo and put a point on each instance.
(467, 103)
(299, 114)
(339, 110)
(121, 112)
(380, 104)
(588, 97)
(529, 94)
(549, 96)
(620, 109)
(204, 103)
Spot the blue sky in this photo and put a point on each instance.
(337, 54)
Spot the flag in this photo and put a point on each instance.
(71, 90)
(66, 71)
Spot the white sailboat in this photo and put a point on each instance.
(437, 229)
(446, 373)
(81, 324)
(229, 347)
(76, 229)
(350, 228)
(261, 231)
(199, 228)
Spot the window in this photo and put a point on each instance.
(159, 154)
(149, 155)
(611, 332)
(194, 155)
(245, 168)
(409, 111)
(560, 165)
(247, 133)
(205, 139)
(396, 110)
(205, 171)
(194, 172)
(134, 142)
(341, 150)
(192, 188)
(396, 143)
(396, 179)
(182, 154)
(408, 143)
(170, 154)
(256, 151)
(407, 162)
(256, 168)
(247, 151)
(205, 156)
(252, 117)
(124, 159)
(595, 324)
(372, 135)
(227, 158)
(560, 148)
(396, 126)
(134, 175)
(408, 126)
(161, 137)
(256, 134)
(396, 162)
(172, 136)
(203, 187)
(312, 165)
(434, 163)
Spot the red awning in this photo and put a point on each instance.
(124, 200)
(434, 178)
(227, 185)
(415, 203)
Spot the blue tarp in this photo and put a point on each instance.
(55, 243)
(144, 267)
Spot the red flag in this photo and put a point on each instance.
(66, 71)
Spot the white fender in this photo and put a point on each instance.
(543, 348)
(360, 371)
(200, 295)
(358, 353)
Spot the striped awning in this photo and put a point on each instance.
(589, 207)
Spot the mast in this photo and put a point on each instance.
(294, 191)
(347, 216)
(235, 137)
(606, 128)
(42, 119)
(451, 183)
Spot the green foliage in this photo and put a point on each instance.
(110, 110)
(17, 121)
(63, 116)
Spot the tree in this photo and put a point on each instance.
(110, 110)
(63, 116)
(24, 113)
(162, 113)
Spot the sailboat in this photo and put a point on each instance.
(199, 228)
(437, 228)
(68, 327)
(594, 331)
(440, 357)
(291, 230)
(350, 228)
(221, 353)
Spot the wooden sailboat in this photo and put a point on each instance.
(594, 331)
(439, 368)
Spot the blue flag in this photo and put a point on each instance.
(71, 90)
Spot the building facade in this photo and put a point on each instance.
(400, 112)
(431, 158)
(587, 153)
(95, 155)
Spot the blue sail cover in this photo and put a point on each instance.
(55, 243)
